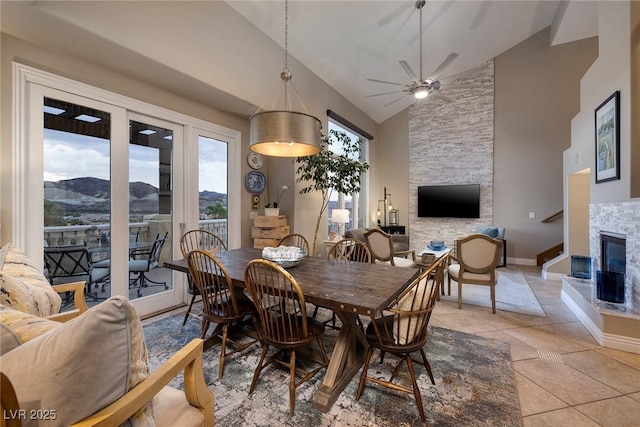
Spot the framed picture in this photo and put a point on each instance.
(607, 121)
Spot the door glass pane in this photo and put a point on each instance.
(77, 197)
(212, 186)
(150, 208)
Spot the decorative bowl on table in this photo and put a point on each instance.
(284, 256)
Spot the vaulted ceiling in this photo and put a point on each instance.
(345, 43)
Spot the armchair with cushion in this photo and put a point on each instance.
(382, 249)
(91, 370)
(400, 241)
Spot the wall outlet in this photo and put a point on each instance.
(532, 215)
(253, 215)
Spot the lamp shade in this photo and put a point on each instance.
(340, 216)
(284, 134)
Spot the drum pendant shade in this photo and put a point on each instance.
(284, 134)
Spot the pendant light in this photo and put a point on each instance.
(282, 132)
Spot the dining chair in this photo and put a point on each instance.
(65, 264)
(403, 330)
(381, 246)
(287, 329)
(141, 267)
(221, 302)
(477, 257)
(198, 239)
(347, 249)
(295, 240)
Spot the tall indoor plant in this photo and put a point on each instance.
(327, 171)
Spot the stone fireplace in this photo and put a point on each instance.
(614, 240)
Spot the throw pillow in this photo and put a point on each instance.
(8, 339)
(25, 326)
(3, 254)
(405, 327)
(20, 267)
(19, 295)
(83, 365)
(489, 231)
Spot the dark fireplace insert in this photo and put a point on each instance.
(610, 279)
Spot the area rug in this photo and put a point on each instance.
(475, 384)
(512, 294)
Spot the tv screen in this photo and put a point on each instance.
(449, 201)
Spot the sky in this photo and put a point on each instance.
(69, 155)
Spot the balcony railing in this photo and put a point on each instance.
(95, 235)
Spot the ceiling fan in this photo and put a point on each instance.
(419, 87)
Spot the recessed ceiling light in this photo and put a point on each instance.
(88, 118)
(147, 132)
(53, 110)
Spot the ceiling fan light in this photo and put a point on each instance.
(421, 93)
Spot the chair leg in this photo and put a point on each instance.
(493, 299)
(459, 295)
(363, 376)
(225, 330)
(416, 390)
(186, 316)
(292, 382)
(256, 373)
(427, 366)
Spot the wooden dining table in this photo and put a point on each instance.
(348, 288)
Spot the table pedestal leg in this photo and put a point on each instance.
(346, 360)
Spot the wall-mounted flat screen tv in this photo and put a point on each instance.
(449, 201)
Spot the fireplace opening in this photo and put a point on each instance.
(613, 260)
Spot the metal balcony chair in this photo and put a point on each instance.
(66, 264)
(140, 267)
(198, 239)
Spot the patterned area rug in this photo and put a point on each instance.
(475, 384)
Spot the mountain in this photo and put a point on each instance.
(92, 195)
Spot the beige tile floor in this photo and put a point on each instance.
(564, 377)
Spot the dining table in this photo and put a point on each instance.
(350, 289)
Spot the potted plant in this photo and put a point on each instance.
(271, 208)
(327, 171)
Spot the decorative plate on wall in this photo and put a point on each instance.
(256, 182)
(255, 160)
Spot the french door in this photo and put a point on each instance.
(114, 175)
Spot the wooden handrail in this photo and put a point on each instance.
(552, 217)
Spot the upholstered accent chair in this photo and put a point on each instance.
(381, 246)
(478, 256)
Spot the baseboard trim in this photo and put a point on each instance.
(617, 342)
(521, 261)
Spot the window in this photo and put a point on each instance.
(356, 204)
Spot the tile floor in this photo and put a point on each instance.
(564, 377)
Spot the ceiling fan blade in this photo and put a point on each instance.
(385, 93)
(384, 81)
(408, 70)
(448, 60)
(390, 16)
(394, 101)
(441, 97)
(459, 75)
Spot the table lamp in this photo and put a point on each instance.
(340, 217)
